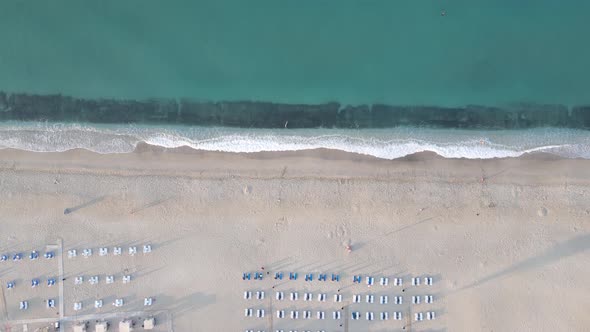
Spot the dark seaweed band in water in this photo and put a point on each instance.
(250, 114)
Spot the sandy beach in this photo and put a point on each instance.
(505, 240)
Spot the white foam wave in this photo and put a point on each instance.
(386, 144)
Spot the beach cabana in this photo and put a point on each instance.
(77, 306)
(101, 327)
(260, 313)
(247, 295)
(148, 301)
(369, 315)
(24, 305)
(126, 325)
(149, 323)
(80, 327)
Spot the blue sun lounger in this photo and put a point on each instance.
(34, 282)
(246, 276)
(279, 275)
(322, 277)
(309, 277)
(258, 276)
(50, 282)
(292, 275)
(356, 279)
(335, 277)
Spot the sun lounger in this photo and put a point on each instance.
(294, 314)
(337, 297)
(260, 295)
(77, 306)
(428, 298)
(247, 295)
(98, 304)
(279, 276)
(103, 251)
(306, 314)
(49, 255)
(355, 315)
(117, 251)
(335, 277)
(126, 279)
(292, 275)
(258, 276)
(24, 305)
(280, 296)
(430, 315)
(428, 281)
(10, 285)
(33, 255)
(246, 276)
(309, 277)
(3, 258)
(398, 281)
(384, 299)
(72, 253)
(307, 296)
(148, 301)
(132, 251)
(51, 303)
(356, 279)
(147, 248)
(280, 313)
(322, 277)
(248, 312)
(370, 281)
(34, 283)
(50, 282)
(418, 316)
(93, 280)
(384, 315)
(16, 257)
(384, 281)
(110, 279)
(336, 315)
(322, 297)
(78, 280)
(369, 315)
(321, 315)
(260, 313)
(118, 302)
(356, 298)
(398, 300)
(87, 252)
(397, 315)
(416, 299)
(370, 298)
(294, 296)
(416, 281)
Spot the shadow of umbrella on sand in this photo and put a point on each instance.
(81, 206)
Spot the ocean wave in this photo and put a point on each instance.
(385, 144)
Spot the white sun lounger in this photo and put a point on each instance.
(337, 297)
(103, 251)
(384, 281)
(355, 315)
(418, 316)
(370, 281)
(126, 279)
(98, 304)
(77, 306)
(280, 313)
(306, 314)
(117, 251)
(280, 296)
(428, 298)
(384, 315)
(132, 251)
(93, 280)
(78, 280)
(72, 253)
(147, 248)
(50, 303)
(397, 315)
(416, 299)
(336, 315)
(398, 300)
(370, 298)
(384, 299)
(430, 315)
(322, 297)
(24, 305)
(110, 279)
(398, 281)
(321, 315)
(294, 296)
(415, 281)
(87, 252)
(307, 296)
(260, 313)
(248, 312)
(356, 298)
(369, 315)
(148, 301)
(294, 314)
(118, 302)
(260, 295)
(428, 281)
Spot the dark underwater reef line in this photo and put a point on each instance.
(257, 114)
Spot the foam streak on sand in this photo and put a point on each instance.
(381, 143)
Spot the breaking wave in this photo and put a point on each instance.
(381, 143)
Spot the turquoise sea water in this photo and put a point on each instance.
(492, 53)
(398, 52)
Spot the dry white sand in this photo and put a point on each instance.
(509, 253)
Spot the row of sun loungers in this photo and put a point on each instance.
(430, 315)
(336, 315)
(93, 280)
(104, 251)
(34, 255)
(284, 331)
(34, 283)
(322, 297)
